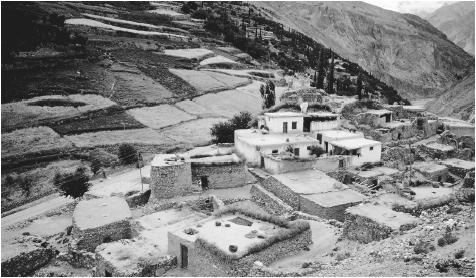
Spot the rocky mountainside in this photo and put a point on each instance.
(457, 22)
(402, 50)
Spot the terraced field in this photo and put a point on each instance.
(160, 116)
(208, 81)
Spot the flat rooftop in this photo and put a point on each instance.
(375, 172)
(383, 215)
(310, 182)
(163, 160)
(441, 147)
(128, 255)
(355, 143)
(240, 235)
(337, 134)
(414, 108)
(256, 138)
(379, 112)
(429, 167)
(458, 163)
(429, 192)
(217, 159)
(335, 198)
(94, 213)
(396, 124)
(285, 114)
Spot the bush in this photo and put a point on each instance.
(459, 254)
(73, 184)
(423, 247)
(447, 239)
(316, 150)
(128, 154)
(224, 132)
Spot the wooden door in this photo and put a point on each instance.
(184, 255)
(285, 127)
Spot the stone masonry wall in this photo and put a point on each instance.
(200, 259)
(89, 239)
(335, 212)
(281, 191)
(271, 203)
(27, 262)
(221, 176)
(147, 269)
(171, 181)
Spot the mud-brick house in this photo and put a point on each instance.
(299, 122)
(98, 221)
(362, 150)
(432, 171)
(326, 136)
(374, 118)
(132, 258)
(229, 243)
(252, 144)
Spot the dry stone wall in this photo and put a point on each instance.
(281, 191)
(89, 239)
(221, 175)
(335, 212)
(271, 203)
(26, 262)
(171, 181)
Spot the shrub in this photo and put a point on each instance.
(73, 184)
(128, 154)
(25, 182)
(447, 239)
(316, 150)
(423, 247)
(459, 254)
(224, 132)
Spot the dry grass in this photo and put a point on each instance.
(195, 132)
(207, 81)
(27, 113)
(30, 141)
(143, 136)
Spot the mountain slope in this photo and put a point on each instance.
(401, 49)
(458, 101)
(457, 22)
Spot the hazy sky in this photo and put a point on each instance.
(415, 7)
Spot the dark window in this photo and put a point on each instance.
(319, 137)
(296, 151)
(371, 148)
(285, 127)
(294, 125)
(274, 151)
(107, 273)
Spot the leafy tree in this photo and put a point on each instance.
(330, 77)
(127, 154)
(320, 71)
(359, 86)
(268, 94)
(73, 184)
(316, 150)
(224, 132)
(25, 182)
(189, 7)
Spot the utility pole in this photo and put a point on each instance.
(139, 160)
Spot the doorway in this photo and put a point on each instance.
(285, 127)
(327, 146)
(262, 162)
(388, 118)
(296, 152)
(204, 182)
(183, 256)
(306, 125)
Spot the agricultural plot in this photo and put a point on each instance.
(137, 89)
(172, 14)
(194, 108)
(142, 136)
(231, 102)
(196, 132)
(208, 81)
(219, 61)
(110, 121)
(31, 142)
(191, 53)
(249, 73)
(98, 24)
(48, 108)
(41, 178)
(160, 116)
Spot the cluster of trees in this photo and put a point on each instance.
(25, 27)
(224, 132)
(268, 94)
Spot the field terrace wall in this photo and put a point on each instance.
(269, 201)
(27, 261)
(458, 167)
(225, 174)
(282, 192)
(170, 177)
(101, 220)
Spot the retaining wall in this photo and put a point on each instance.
(271, 203)
(221, 175)
(170, 181)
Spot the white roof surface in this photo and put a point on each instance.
(429, 167)
(459, 163)
(284, 114)
(335, 198)
(310, 182)
(95, 213)
(256, 138)
(355, 143)
(336, 134)
(383, 215)
(162, 160)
